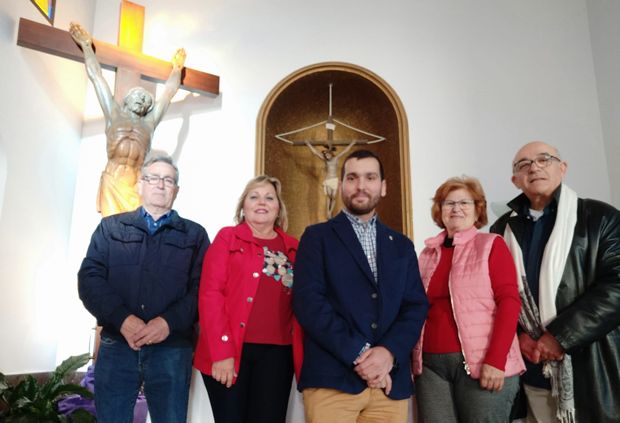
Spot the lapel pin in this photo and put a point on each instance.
(391, 237)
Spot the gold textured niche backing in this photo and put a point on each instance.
(322, 140)
(363, 100)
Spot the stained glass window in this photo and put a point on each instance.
(47, 7)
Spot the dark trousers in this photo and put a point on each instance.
(262, 389)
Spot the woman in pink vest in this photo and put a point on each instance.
(467, 362)
(247, 347)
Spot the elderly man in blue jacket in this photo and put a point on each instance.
(140, 280)
(359, 298)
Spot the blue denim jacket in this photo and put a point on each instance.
(127, 271)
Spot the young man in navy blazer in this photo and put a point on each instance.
(359, 297)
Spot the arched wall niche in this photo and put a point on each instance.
(360, 99)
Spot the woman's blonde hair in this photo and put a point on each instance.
(282, 218)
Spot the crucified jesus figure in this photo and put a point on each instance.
(330, 183)
(129, 128)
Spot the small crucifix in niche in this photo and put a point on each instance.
(330, 183)
(328, 152)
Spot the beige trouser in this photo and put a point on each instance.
(323, 405)
(541, 405)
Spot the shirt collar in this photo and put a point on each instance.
(521, 204)
(147, 215)
(151, 224)
(355, 220)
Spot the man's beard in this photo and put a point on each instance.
(360, 210)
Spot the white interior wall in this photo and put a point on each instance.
(489, 79)
(40, 125)
(477, 80)
(605, 33)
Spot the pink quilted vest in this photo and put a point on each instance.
(473, 304)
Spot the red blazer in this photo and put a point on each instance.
(231, 271)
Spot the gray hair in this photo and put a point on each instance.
(156, 156)
(282, 218)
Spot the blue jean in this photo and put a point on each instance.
(120, 372)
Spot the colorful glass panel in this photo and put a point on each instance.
(47, 8)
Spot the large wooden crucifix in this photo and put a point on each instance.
(132, 113)
(127, 56)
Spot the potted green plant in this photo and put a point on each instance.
(30, 401)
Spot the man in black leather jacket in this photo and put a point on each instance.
(568, 253)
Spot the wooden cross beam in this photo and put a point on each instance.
(55, 41)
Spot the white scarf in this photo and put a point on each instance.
(551, 270)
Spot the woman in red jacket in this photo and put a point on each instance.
(245, 347)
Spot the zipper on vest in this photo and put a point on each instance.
(458, 333)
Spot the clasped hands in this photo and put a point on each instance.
(137, 333)
(544, 349)
(374, 366)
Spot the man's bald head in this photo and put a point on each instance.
(538, 170)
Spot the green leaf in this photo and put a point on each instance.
(70, 388)
(27, 388)
(82, 416)
(47, 390)
(22, 402)
(4, 385)
(45, 408)
(5, 391)
(72, 363)
(29, 402)
(52, 388)
(20, 419)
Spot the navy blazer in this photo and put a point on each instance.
(341, 308)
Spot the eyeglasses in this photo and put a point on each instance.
(154, 180)
(463, 204)
(542, 161)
